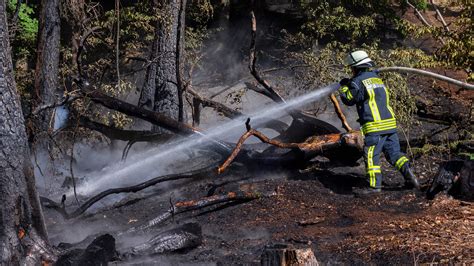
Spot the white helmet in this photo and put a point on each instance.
(358, 59)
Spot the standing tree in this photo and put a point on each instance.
(47, 61)
(163, 88)
(22, 230)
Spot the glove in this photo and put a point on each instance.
(345, 82)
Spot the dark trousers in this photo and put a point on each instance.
(373, 147)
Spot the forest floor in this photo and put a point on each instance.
(316, 209)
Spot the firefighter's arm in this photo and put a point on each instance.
(349, 92)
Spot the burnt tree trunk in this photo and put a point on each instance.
(47, 62)
(21, 218)
(162, 91)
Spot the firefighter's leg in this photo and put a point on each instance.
(372, 149)
(391, 149)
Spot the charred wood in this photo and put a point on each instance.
(99, 252)
(252, 65)
(456, 178)
(219, 107)
(313, 145)
(283, 254)
(185, 237)
(185, 206)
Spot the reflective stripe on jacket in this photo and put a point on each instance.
(371, 97)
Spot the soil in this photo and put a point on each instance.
(317, 210)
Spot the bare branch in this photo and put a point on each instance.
(117, 44)
(226, 111)
(440, 16)
(81, 47)
(131, 189)
(422, 18)
(125, 135)
(315, 143)
(132, 110)
(339, 113)
(66, 100)
(418, 13)
(252, 64)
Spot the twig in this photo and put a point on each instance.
(66, 100)
(81, 48)
(440, 16)
(418, 13)
(131, 189)
(228, 112)
(422, 18)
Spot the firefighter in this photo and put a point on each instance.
(378, 125)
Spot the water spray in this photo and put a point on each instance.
(154, 162)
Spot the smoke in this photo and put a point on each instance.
(99, 167)
(175, 157)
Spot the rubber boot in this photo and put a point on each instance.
(366, 191)
(410, 178)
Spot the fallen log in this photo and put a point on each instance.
(185, 237)
(315, 145)
(62, 210)
(185, 206)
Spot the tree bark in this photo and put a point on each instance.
(21, 217)
(162, 91)
(47, 62)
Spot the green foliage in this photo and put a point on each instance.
(26, 29)
(347, 21)
(459, 48)
(199, 13)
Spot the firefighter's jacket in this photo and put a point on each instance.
(371, 97)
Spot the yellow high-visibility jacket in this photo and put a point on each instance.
(371, 97)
